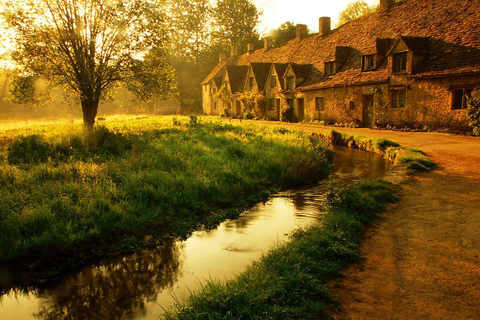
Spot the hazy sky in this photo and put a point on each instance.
(276, 12)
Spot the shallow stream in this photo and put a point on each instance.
(140, 285)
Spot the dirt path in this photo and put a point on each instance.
(422, 261)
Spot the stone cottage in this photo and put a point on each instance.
(412, 63)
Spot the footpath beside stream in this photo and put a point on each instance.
(422, 260)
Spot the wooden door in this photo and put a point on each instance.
(367, 114)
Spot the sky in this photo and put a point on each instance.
(276, 12)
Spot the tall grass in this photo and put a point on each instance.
(67, 196)
(292, 280)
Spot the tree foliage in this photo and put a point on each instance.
(354, 10)
(473, 111)
(286, 32)
(236, 21)
(85, 45)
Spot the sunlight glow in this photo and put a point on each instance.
(276, 12)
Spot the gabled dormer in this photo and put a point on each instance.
(257, 76)
(235, 78)
(275, 77)
(295, 75)
(372, 59)
(335, 62)
(406, 54)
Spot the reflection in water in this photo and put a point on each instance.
(116, 289)
(138, 286)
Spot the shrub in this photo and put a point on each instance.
(473, 111)
(28, 150)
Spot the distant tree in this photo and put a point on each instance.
(235, 22)
(151, 78)
(354, 10)
(190, 21)
(191, 38)
(286, 32)
(86, 45)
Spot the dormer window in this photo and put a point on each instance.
(400, 62)
(368, 62)
(250, 83)
(290, 82)
(330, 68)
(273, 81)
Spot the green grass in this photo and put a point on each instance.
(292, 280)
(67, 196)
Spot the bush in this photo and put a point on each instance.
(473, 111)
(28, 150)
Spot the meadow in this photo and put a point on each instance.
(69, 195)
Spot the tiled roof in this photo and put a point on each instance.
(301, 70)
(446, 32)
(261, 72)
(237, 75)
(219, 69)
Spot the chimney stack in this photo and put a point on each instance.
(301, 32)
(268, 42)
(233, 51)
(222, 56)
(385, 5)
(250, 48)
(324, 25)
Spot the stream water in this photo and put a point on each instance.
(140, 285)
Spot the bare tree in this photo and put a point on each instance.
(86, 45)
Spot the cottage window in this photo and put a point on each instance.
(320, 104)
(330, 68)
(271, 104)
(250, 82)
(400, 62)
(460, 97)
(368, 62)
(273, 81)
(352, 105)
(290, 82)
(399, 98)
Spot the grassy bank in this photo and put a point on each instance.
(413, 159)
(67, 196)
(291, 281)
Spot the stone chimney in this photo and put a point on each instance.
(222, 56)
(324, 25)
(250, 48)
(233, 51)
(301, 32)
(385, 5)
(268, 42)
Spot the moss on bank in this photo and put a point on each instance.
(291, 281)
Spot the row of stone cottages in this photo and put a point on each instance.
(412, 63)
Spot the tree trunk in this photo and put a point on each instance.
(89, 109)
